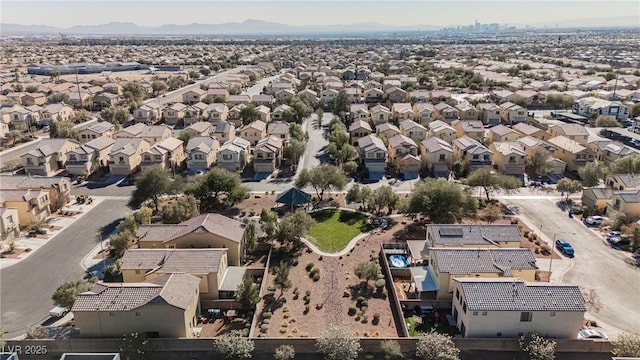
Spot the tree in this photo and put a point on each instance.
(391, 349)
(607, 121)
(204, 71)
(234, 346)
(627, 345)
(569, 186)
(184, 208)
(248, 293)
(186, 135)
(250, 236)
(296, 133)
(322, 178)
(537, 347)
(382, 197)
(359, 194)
(635, 110)
(281, 279)
(249, 114)
(591, 174)
(436, 346)
(151, 184)
(537, 163)
(626, 165)
(119, 243)
(158, 87)
(58, 97)
(442, 201)
(54, 76)
(114, 115)
(135, 346)
(62, 130)
(491, 213)
(284, 352)
(269, 220)
(296, 149)
(340, 104)
(65, 295)
(293, 226)
(338, 343)
(489, 180)
(301, 109)
(366, 271)
(217, 188)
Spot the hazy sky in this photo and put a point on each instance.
(66, 13)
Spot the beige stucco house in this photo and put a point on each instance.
(174, 114)
(437, 154)
(168, 154)
(489, 113)
(9, 227)
(234, 154)
(571, 152)
(267, 154)
(193, 96)
(201, 152)
(573, 132)
(95, 131)
(373, 154)
(509, 158)
(530, 130)
(413, 130)
(49, 157)
(501, 133)
(442, 130)
(87, 158)
(380, 114)
(126, 155)
(254, 132)
(357, 130)
(31, 205)
(471, 128)
(471, 151)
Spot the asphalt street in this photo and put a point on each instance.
(595, 265)
(27, 286)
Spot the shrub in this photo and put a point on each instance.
(316, 277)
(360, 299)
(352, 311)
(309, 266)
(307, 299)
(267, 315)
(306, 309)
(294, 262)
(315, 270)
(320, 258)
(364, 303)
(266, 321)
(376, 319)
(283, 330)
(363, 309)
(380, 283)
(307, 292)
(271, 288)
(264, 327)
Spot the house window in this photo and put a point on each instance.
(138, 314)
(380, 155)
(146, 158)
(553, 313)
(227, 157)
(157, 157)
(29, 161)
(111, 313)
(10, 219)
(475, 313)
(260, 155)
(526, 316)
(121, 159)
(464, 307)
(498, 334)
(475, 157)
(458, 294)
(138, 271)
(484, 313)
(441, 157)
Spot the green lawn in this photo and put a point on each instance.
(335, 228)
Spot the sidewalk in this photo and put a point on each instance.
(35, 243)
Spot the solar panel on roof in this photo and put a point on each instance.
(450, 232)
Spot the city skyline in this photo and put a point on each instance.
(65, 13)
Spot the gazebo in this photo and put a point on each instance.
(293, 196)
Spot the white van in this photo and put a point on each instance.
(58, 311)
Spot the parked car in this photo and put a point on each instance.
(58, 311)
(564, 246)
(594, 220)
(586, 334)
(613, 234)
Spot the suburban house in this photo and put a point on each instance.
(469, 150)
(279, 129)
(442, 130)
(592, 107)
(34, 99)
(267, 154)
(571, 152)
(440, 96)
(58, 112)
(264, 113)
(387, 130)
(87, 158)
(203, 231)
(262, 100)
(9, 228)
(397, 95)
(489, 113)
(202, 128)
(530, 130)
(573, 132)
(608, 151)
(467, 112)
(174, 114)
(425, 112)
(31, 205)
(510, 308)
(149, 113)
(509, 158)
(234, 115)
(131, 131)
(328, 95)
(446, 112)
(380, 114)
(48, 157)
(447, 264)
(238, 99)
(402, 112)
(623, 181)
(217, 112)
(168, 154)
(405, 152)
(284, 95)
(532, 145)
(126, 155)
(193, 96)
(472, 236)
(59, 187)
(625, 202)
(359, 112)
(224, 131)
(373, 95)
(104, 100)
(195, 112)
(512, 113)
(166, 306)
(596, 198)
(373, 154)
(254, 132)
(438, 155)
(233, 154)
(201, 152)
(501, 133)
(471, 128)
(21, 117)
(358, 129)
(97, 130)
(413, 130)
(279, 111)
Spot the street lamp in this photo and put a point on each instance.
(552, 246)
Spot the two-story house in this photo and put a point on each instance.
(31, 205)
(608, 151)
(264, 113)
(201, 152)
(280, 129)
(373, 154)
(233, 154)
(149, 113)
(592, 107)
(224, 131)
(536, 147)
(469, 150)
(195, 113)
(126, 155)
(48, 157)
(467, 112)
(509, 158)
(217, 112)
(278, 112)
(87, 158)
(571, 152)
(471, 128)
(267, 154)
(438, 155)
(501, 133)
(530, 130)
(442, 130)
(446, 112)
(174, 114)
(168, 154)
(404, 151)
(397, 95)
(413, 130)
(359, 112)
(254, 132)
(402, 112)
(489, 113)
(193, 96)
(573, 132)
(512, 113)
(357, 130)
(425, 113)
(58, 112)
(9, 227)
(95, 131)
(387, 130)
(380, 114)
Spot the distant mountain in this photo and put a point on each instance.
(259, 27)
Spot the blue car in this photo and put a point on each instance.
(564, 246)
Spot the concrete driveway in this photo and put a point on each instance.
(27, 286)
(595, 266)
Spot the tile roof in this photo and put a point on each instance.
(359, 124)
(567, 144)
(101, 127)
(176, 290)
(439, 125)
(370, 143)
(434, 144)
(126, 146)
(210, 223)
(516, 295)
(467, 261)
(459, 235)
(202, 143)
(163, 261)
(48, 147)
(154, 131)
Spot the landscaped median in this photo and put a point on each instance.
(334, 228)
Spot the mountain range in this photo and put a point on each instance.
(259, 27)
